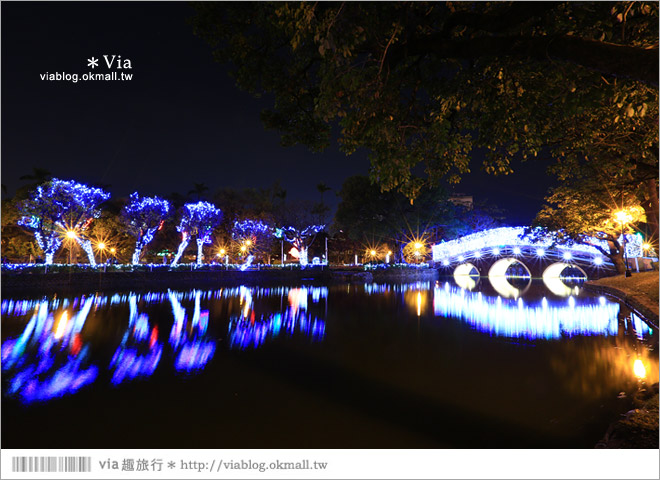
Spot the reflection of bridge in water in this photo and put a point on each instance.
(507, 252)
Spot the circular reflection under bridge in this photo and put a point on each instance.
(556, 282)
(466, 276)
(507, 270)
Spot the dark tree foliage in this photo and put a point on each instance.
(366, 214)
(422, 84)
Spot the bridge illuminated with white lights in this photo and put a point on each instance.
(508, 251)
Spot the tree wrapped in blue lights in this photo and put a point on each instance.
(144, 216)
(58, 208)
(197, 219)
(301, 238)
(253, 235)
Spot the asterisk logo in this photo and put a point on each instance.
(171, 464)
(92, 62)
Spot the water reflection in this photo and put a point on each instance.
(64, 343)
(140, 350)
(193, 349)
(251, 329)
(515, 318)
(49, 359)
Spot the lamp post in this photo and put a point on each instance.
(624, 217)
(71, 235)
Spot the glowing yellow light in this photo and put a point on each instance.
(101, 246)
(646, 246)
(243, 248)
(113, 250)
(222, 251)
(248, 242)
(418, 245)
(71, 234)
(389, 252)
(622, 216)
(419, 303)
(373, 253)
(61, 325)
(638, 369)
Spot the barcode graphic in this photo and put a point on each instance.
(51, 464)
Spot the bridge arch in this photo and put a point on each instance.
(554, 270)
(553, 281)
(498, 279)
(499, 268)
(464, 278)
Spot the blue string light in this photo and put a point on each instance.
(197, 219)
(144, 217)
(59, 206)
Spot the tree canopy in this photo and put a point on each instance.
(424, 84)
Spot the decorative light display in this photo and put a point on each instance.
(144, 216)
(515, 239)
(253, 236)
(49, 359)
(193, 349)
(514, 318)
(140, 351)
(60, 206)
(301, 238)
(197, 219)
(249, 331)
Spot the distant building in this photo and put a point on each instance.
(462, 200)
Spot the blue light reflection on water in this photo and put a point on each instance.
(140, 351)
(50, 358)
(248, 331)
(193, 350)
(515, 318)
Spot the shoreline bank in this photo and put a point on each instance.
(57, 282)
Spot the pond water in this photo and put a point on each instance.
(420, 365)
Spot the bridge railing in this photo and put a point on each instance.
(512, 241)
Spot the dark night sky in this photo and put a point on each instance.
(179, 121)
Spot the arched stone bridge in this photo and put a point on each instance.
(505, 251)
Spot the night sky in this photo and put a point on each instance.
(179, 121)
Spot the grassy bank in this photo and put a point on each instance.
(639, 427)
(641, 288)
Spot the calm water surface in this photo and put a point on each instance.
(422, 365)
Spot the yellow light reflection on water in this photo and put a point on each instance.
(61, 325)
(419, 303)
(639, 369)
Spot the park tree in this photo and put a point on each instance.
(423, 86)
(197, 220)
(585, 212)
(252, 236)
(296, 226)
(371, 216)
(61, 208)
(143, 217)
(17, 244)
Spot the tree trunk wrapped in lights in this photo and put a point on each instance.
(197, 219)
(60, 207)
(253, 238)
(144, 216)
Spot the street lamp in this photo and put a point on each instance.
(71, 235)
(623, 217)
